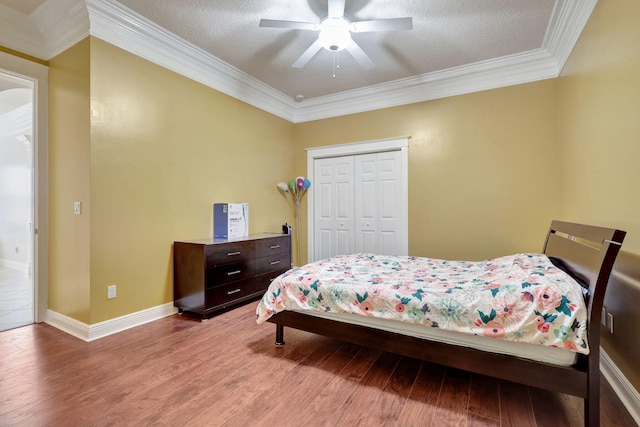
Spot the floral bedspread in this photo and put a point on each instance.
(522, 297)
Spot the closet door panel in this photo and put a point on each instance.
(324, 192)
(344, 242)
(389, 203)
(366, 242)
(365, 203)
(387, 244)
(343, 222)
(344, 201)
(323, 244)
(334, 207)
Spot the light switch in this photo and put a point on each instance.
(77, 208)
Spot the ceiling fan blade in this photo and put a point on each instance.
(308, 54)
(292, 25)
(336, 8)
(392, 24)
(359, 55)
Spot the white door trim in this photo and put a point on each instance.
(39, 75)
(392, 144)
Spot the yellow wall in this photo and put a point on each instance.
(599, 106)
(69, 181)
(147, 152)
(481, 167)
(599, 121)
(163, 150)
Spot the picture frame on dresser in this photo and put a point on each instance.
(213, 274)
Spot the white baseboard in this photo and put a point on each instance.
(108, 327)
(626, 392)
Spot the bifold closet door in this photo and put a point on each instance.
(377, 207)
(357, 205)
(334, 206)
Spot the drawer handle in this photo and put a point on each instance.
(274, 247)
(231, 273)
(233, 292)
(233, 253)
(274, 262)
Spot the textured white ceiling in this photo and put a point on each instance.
(455, 47)
(446, 34)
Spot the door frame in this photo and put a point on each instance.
(39, 75)
(365, 147)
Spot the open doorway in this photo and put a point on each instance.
(17, 290)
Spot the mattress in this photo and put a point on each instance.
(552, 355)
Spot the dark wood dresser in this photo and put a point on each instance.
(213, 274)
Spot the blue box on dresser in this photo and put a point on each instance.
(230, 220)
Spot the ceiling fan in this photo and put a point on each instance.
(335, 33)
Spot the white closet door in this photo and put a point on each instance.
(334, 195)
(390, 206)
(376, 219)
(366, 203)
(378, 204)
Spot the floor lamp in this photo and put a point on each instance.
(296, 188)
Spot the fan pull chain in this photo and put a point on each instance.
(334, 64)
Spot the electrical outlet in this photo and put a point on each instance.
(77, 208)
(111, 292)
(610, 318)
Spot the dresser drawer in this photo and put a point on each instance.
(221, 295)
(262, 282)
(273, 263)
(274, 245)
(220, 275)
(231, 252)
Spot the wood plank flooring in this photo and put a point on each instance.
(227, 372)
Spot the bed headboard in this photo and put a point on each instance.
(587, 253)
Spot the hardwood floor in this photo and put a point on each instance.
(227, 372)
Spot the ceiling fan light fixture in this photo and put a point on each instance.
(334, 34)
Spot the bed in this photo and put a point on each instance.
(544, 337)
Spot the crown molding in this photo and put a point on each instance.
(565, 26)
(52, 28)
(62, 24)
(501, 72)
(118, 25)
(127, 30)
(19, 33)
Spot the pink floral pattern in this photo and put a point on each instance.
(521, 298)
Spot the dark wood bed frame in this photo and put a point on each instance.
(586, 252)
